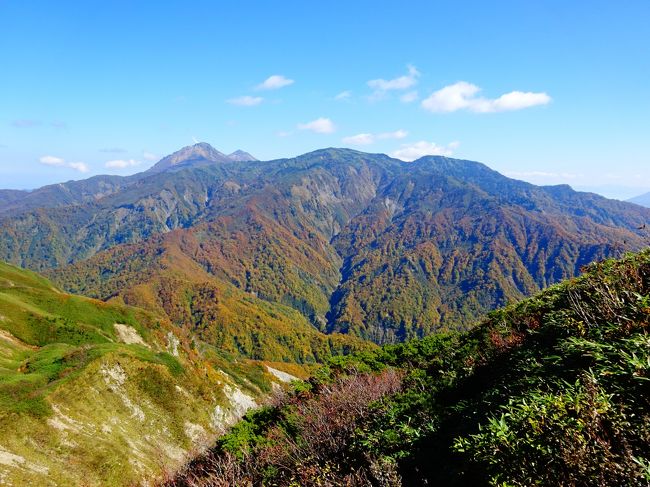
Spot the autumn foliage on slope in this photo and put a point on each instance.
(551, 391)
(304, 439)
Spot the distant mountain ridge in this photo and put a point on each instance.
(241, 156)
(643, 200)
(97, 187)
(357, 243)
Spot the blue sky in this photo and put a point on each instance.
(546, 91)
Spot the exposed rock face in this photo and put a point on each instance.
(241, 156)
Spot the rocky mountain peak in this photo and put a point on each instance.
(200, 154)
(241, 156)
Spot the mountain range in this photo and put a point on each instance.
(243, 252)
(210, 279)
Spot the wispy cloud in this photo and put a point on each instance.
(464, 96)
(381, 87)
(58, 124)
(409, 97)
(79, 166)
(122, 163)
(274, 82)
(359, 139)
(246, 101)
(60, 162)
(113, 150)
(368, 139)
(344, 95)
(320, 126)
(400, 83)
(541, 174)
(411, 152)
(26, 123)
(52, 161)
(150, 156)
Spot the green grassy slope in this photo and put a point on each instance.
(551, 391)
(93, 393)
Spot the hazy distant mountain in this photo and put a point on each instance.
(8, 196)
(643, 200)
(93, 189)
(241, 156)
(62, 194)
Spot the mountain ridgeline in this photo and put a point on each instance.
(336, 239)
(643, 200)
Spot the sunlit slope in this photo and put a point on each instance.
(105, 393)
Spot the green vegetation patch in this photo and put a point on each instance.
(554, 390)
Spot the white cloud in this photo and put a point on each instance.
(344, 95)
(283, 133)
(463, 96)
(320, 126)
(79, 166)
(359, 139)
(398, 134)
(411, 152)
(149, 156)
(246, 101)
(274, 82)
(367, 139)
(52, 161)
(409, 97)
(60, 162)
(121, 163)
(401, 83)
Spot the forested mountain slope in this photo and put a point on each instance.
(358, 243)
(553, 390)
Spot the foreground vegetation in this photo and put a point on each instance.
(554, 390)
(93, 393)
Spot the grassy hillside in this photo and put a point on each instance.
(105, 394)
(553, 390)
